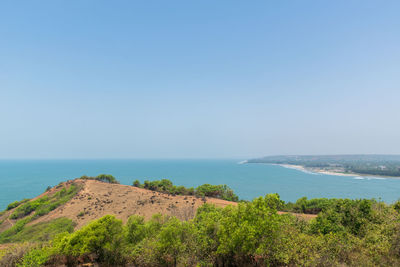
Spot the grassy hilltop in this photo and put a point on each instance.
(95, 220)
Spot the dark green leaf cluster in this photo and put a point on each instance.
(16, 204)
(107, 178)
(351, 216)
(216, 191)
(205, 190)
(310, 206)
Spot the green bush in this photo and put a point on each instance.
(36, 257)
(206, 190)
(310, 206)
(216, 191)
(107, 178)
(103, 237)
(16, 204)
(352, 216)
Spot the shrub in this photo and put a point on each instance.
(36, 257)
(310, 206)
(136, 183)
(16, 204)
(14, 255)
(107, 178)
(206, 190)
(352, 216)
(216, 191)
(102, 237)
(136, 230)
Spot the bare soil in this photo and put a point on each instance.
(97, 199)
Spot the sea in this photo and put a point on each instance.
(21, 179)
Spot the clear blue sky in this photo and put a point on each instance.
(198, 79)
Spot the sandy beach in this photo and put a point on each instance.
(319, 171)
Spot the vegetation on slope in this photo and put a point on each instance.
(205, 190)
(43, 231)
(30, 210)
(310, 206)
(16, 204)
(345, 233)
(45, 204)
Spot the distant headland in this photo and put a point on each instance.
(343, 165)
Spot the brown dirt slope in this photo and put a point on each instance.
(97, 199)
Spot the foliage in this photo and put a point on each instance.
(164, 186)
(205, 190)
(43, 231)
(217, 191)
(104, 237)
(16, 204)
(309, 206)
(347, 215)
(36, 257)
(14, 254)
(106, 178)
(45, 204)
(345, 233)
(33, 209)
(8, 235)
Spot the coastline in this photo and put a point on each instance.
(320, 171)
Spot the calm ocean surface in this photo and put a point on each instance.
(26, 179)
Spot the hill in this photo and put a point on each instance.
(95, 199)
(97, 222)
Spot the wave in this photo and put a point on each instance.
(369, 178)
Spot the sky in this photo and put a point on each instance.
(198, 79)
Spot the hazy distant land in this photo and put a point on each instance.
(344, 165)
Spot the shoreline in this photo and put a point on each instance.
(320, 171)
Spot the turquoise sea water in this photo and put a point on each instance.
(28, 178)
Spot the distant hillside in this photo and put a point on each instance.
(380, 165)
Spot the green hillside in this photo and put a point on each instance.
(344, 233)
